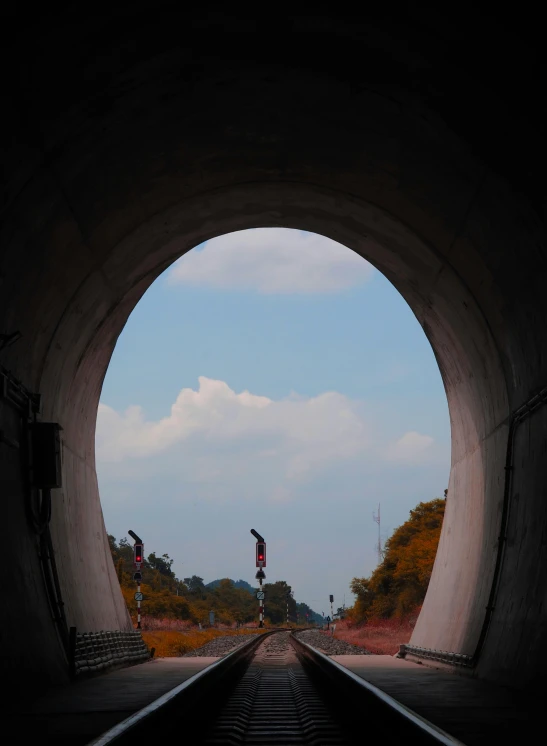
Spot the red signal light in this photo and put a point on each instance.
(260, 554)
(138, 553)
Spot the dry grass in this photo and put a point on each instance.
(173, 643)
(152, 624)
(378, 636)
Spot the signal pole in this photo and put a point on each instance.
(260, 575)
(376, 519)
(288, 597)
(138, 558)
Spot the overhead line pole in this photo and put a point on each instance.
(376, 519)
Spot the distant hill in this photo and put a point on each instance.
(241, 584)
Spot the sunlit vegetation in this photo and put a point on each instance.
(397, 588)
(175, 613)
(175, 605)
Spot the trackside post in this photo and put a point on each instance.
(260, 575)
(138, 560)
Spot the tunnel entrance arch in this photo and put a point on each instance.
(463, 345)
(446, 309)
(128, 187)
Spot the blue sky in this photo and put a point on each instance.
(271, 379)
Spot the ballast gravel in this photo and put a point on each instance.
(320, 640)
(329, 645)
(218, 647)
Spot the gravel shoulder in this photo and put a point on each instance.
(325, 643)
(218, 647)
(329, 645)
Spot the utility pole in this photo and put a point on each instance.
(376, 519)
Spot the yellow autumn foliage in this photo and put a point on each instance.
(399, 584)
(159, 603)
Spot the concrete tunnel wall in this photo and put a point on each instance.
(119, 163)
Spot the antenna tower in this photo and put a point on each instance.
(376, 519)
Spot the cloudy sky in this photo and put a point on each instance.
(271, 379)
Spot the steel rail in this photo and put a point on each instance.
(401, 724)
(192, 706)
(190, 700)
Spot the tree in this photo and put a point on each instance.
(277, 595)
(168, 597)
(399, 583)
(196, 586)
(161, 564)
(306, 615)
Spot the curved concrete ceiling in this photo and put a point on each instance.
(133, 139)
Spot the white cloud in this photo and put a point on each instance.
(294, 434)
(222, 446)
(411, 448)
(272, 260)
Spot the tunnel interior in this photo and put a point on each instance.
(130, 140)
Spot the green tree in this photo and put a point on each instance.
(307, 615)
(161, 564)
(275, 603)
(196, 586)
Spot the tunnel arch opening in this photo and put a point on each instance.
(206, 406)
(463, 347)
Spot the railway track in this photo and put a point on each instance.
(274, 691)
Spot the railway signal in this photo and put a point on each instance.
(260, 575)
(137, 552)
(261, 554)
(138, 559)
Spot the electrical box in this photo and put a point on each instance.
(46, 455)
